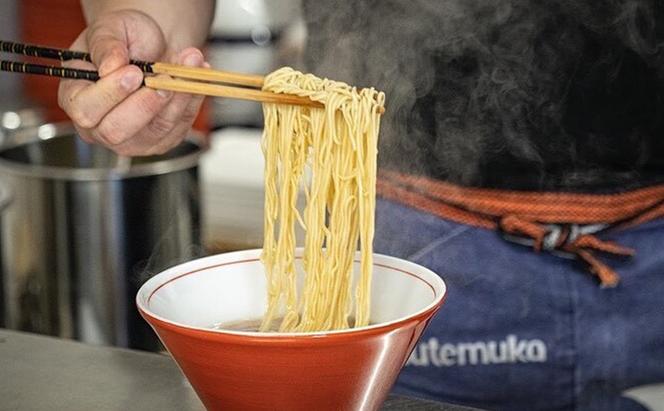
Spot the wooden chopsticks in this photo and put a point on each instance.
(206, 81)
(207, 74)
(220, 90)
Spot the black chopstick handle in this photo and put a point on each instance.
(44, 52)
(58, 54)
(51, 71)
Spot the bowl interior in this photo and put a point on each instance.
(231, 288)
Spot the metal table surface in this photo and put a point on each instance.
(45, 373)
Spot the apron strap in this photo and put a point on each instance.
(564, 224)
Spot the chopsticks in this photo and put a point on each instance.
(58, 54)
(206, 81)
(194, 73)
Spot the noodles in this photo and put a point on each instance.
(337, 147)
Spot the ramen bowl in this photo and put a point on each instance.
(351, 369)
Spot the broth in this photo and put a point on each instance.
(246, 325)
(254, 324)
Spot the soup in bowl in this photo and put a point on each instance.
(203, 312)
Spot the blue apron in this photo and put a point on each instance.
(530, 331)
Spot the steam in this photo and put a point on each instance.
(529, 87)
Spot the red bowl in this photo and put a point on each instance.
(337, 370)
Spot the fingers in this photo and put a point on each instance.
(108, 44)
(88, 103)
(125, 122)
(184, 108)
(122, 35)
(183, 127)
(69, 88)
(116, 111)
(151, 122)
(178, 107)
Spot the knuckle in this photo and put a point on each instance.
(81, 116)
(112, 135)
(160, 125)
(110, 97)
(116, 137)
(191, 112)
(189, 116)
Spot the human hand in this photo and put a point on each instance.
(116, 111)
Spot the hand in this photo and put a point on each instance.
(116, 111)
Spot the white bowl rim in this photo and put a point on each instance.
(151, 286)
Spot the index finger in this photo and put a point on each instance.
(68, 89)
(108, 46)
(88, 103)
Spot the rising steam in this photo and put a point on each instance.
(556, 94)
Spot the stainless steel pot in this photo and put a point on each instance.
(84, 231)
(5, 199)
(17, 113)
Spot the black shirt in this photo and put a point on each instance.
(529, 95)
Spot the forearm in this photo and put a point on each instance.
(184, 23)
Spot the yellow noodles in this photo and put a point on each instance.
(338, 144)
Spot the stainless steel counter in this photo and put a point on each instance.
(44, 373)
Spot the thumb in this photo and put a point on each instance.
(108, 45)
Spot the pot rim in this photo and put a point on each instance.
(56, 130)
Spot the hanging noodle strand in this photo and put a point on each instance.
(330, 154)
